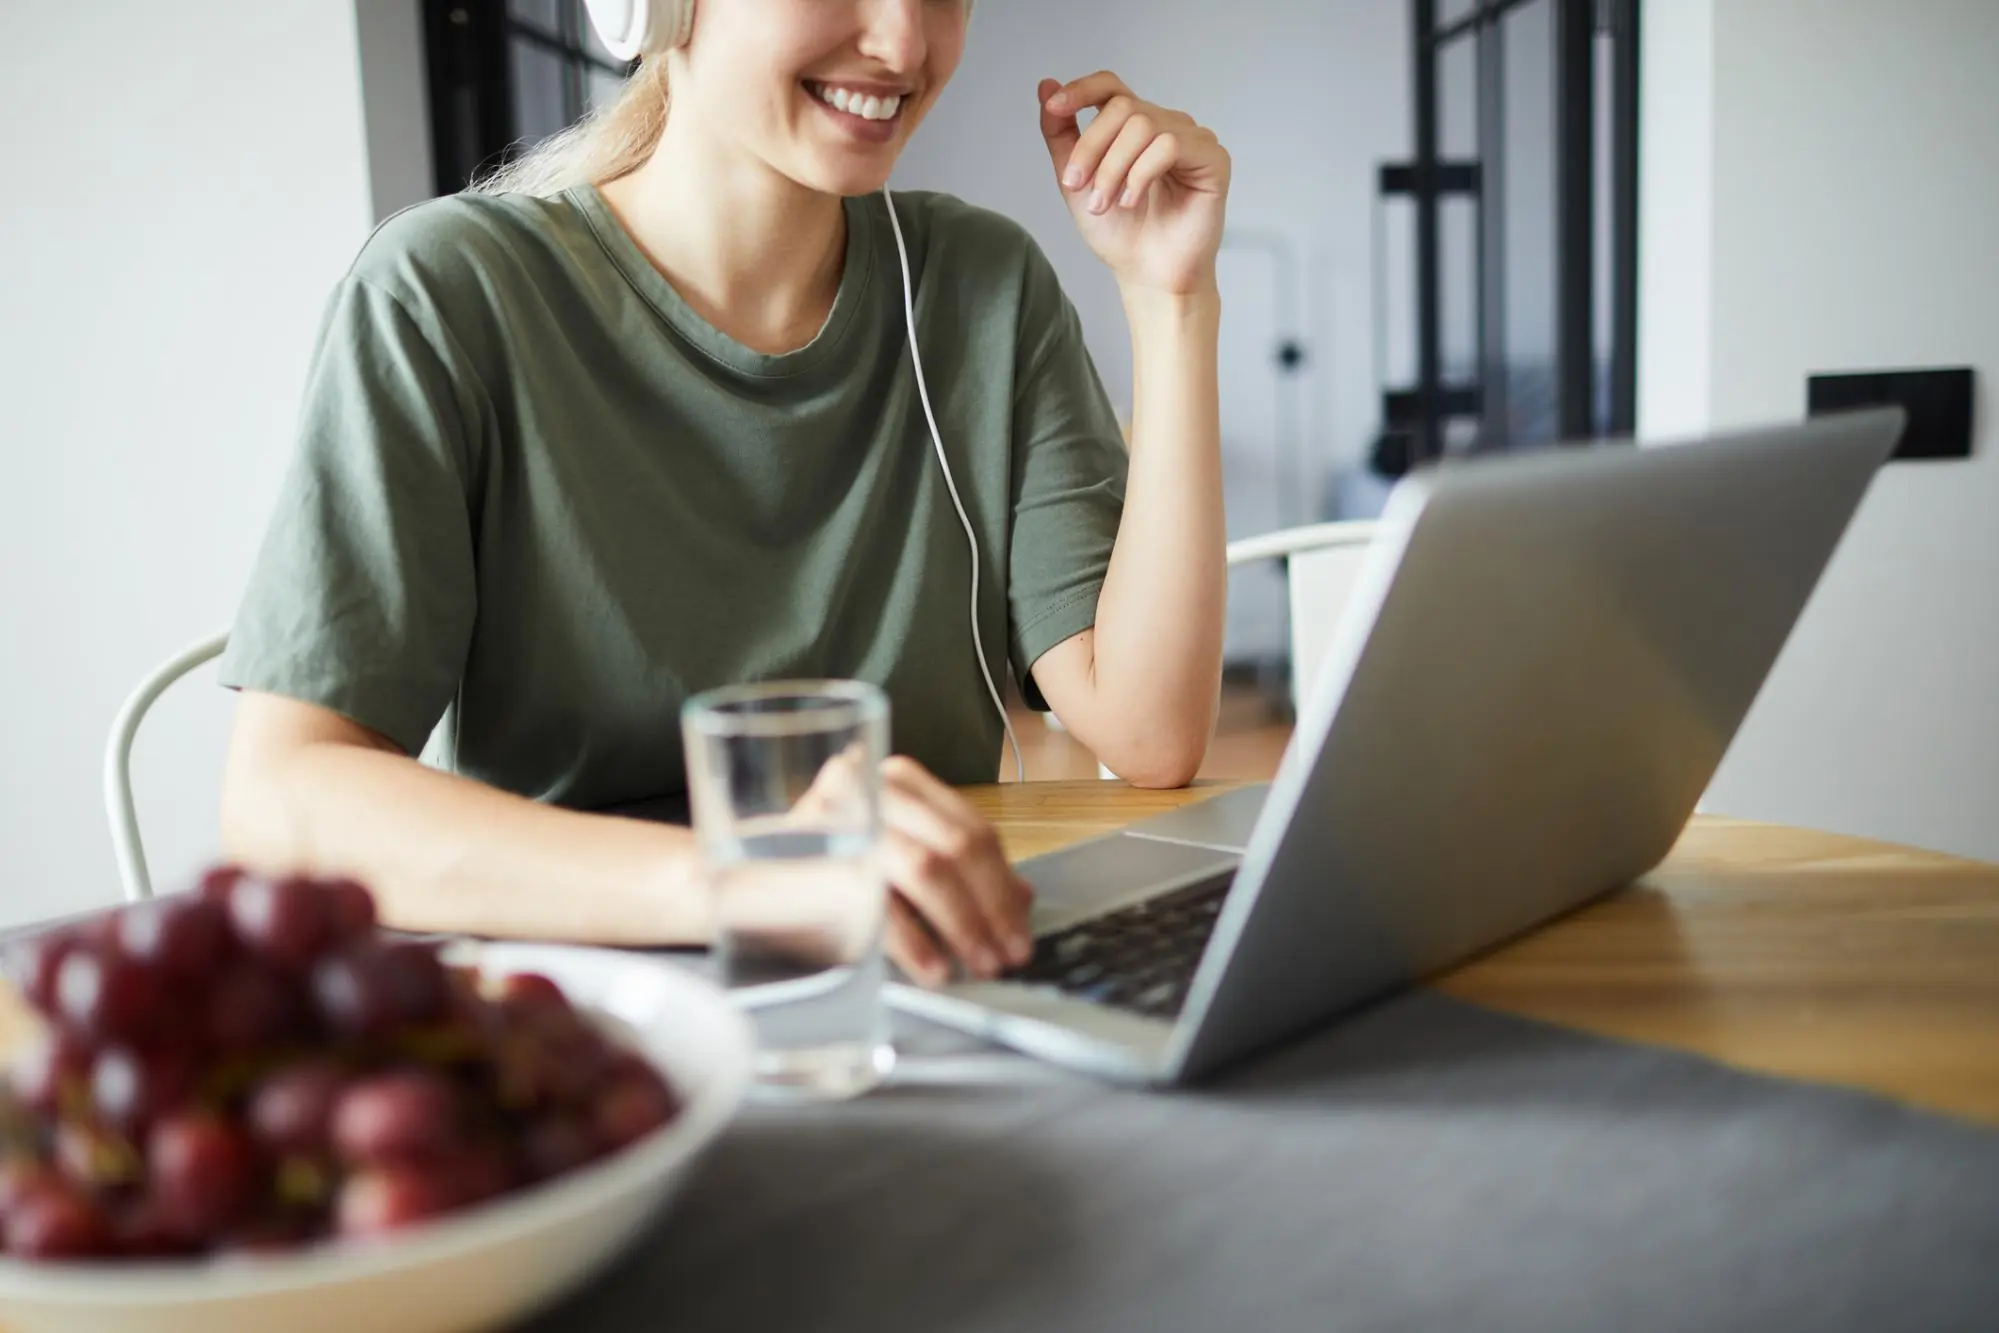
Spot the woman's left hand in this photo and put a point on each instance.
(1147, 186)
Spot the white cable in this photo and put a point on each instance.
(950, 484)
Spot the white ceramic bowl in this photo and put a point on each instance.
(490, 1265)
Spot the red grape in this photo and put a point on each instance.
(353, 993)
(389, 1198)
(203, 1173)
(371, 991)
(632, 1107)
(95, 1156)
(580, 1062)
(132, 1090)
(250, 1006)
(141, 1231)
(56, 1223)
(352, 908)
(274, 1235)
(99, 931)
(32, 965)
(477, 1173)
(184, 937)
(556, 1144)
(52, 1073)
(531, 991)
(292, 1111)
(106, 996)
(287, 921)
(408, 1114)
(20, 1178)
(219, 883)
(420, 990)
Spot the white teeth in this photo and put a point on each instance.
(866, 106)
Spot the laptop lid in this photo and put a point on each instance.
(1537, 675)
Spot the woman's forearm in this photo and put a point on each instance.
(444, 853)
(1158, 639)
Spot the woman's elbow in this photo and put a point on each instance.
(1161, 761)
(263, 808)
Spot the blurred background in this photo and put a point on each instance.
(1434, 251)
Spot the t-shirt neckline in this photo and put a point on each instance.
(653, 287)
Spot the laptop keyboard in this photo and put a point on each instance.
(1140, 958)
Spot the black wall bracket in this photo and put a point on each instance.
(1939, 404)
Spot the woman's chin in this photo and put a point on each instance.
(846, 178)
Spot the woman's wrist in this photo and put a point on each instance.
(671, 890)
(1200, 303)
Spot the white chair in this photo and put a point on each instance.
(118, 803)
(1322, 561)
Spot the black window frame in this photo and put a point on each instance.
(1414, 415)
(468, 48)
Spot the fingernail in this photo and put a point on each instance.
(987, 962)
(1058, 101)
(1099, 202)
(1128, 198)
(1073, 178)
(1020, 950)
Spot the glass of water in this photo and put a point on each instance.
(785, 786)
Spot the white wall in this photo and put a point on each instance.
(1854, 197)
(395, 95)
(186, 182)
(1675, 216)
(1310, 96)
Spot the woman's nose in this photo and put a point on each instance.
(892, 32)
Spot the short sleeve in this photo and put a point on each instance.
(363, 594)
(1069, 464)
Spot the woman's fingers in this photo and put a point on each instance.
(912, 946)
(1096, 141)
(838, 785)
(932, 883)
(1137, 139)
(920, 805)
(1060, 130)
(1159, 157)
(1131, 146)
(1086, 92)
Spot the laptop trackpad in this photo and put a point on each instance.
(1220, 821)
(1105, 873)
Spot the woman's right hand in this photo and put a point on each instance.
(953, 895)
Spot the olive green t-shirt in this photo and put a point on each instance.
(538, 498)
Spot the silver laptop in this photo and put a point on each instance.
(1534, 680)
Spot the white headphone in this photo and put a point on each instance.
(634, 28)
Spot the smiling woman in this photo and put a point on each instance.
(685, 396)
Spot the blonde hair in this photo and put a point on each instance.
(612, 141)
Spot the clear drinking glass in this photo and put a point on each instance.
(785, 787)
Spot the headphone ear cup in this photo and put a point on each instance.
(630, 29)
(675, 23)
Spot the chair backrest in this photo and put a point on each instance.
(1322, 562)
(119, 805)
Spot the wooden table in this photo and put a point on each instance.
(1801, 954)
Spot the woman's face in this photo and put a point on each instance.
(826, 92)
